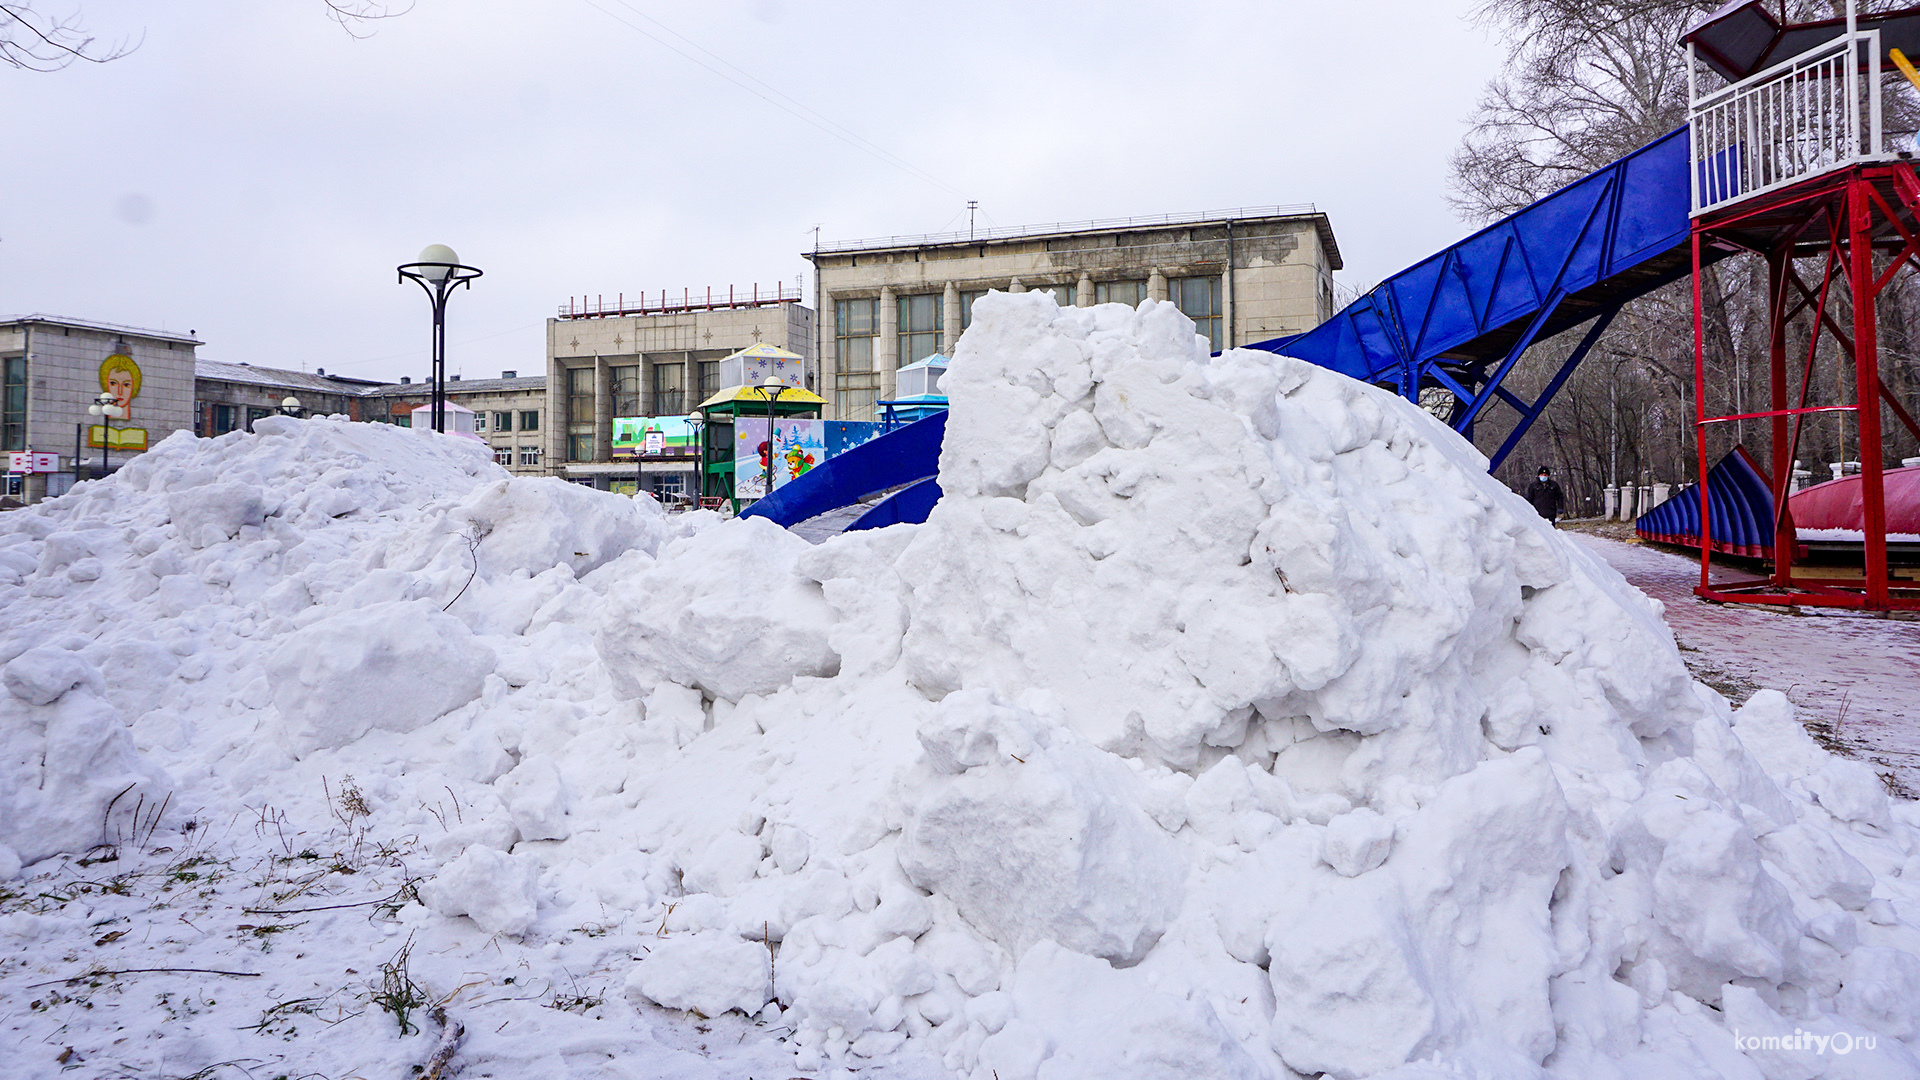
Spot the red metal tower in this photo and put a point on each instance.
(1790, 163)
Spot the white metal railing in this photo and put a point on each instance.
(1801, 117)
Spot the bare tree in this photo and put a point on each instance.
(39, 42)
(34, 41)
(1585, 83)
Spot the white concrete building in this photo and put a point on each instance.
(1241, 275)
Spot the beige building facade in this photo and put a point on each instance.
(509, 413)
(1241, 275)
(52, 369)
(642, 362)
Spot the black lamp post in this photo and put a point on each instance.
(699, 425)
(439, 271)
(773, 388)
(106, 407)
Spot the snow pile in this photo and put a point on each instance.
(1224, 720)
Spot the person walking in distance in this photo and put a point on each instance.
(1545, 495)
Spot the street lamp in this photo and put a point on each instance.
(290, 406)
(439, 271)
(106, 407)
(773, 388)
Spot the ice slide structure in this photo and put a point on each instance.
(1457, 322)
(1784, 157)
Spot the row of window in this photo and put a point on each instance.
(219, 419)
(919, 328)
(669, 389)
(920, 317)
(13, 403)
(502, 420)
(504, 455)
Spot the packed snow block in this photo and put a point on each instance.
(1434, 953)
(1713, 912)
(1077, 1003)
(535, 523)
(707, 973)
(392, 667)
(1768, 725)
(70, 776)
(729, 615)
(39, 676)
(1050, 844)
(1881, 988)
(211, 513)
(537, 799)
(498, 891)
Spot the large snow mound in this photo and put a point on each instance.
(1224, 719)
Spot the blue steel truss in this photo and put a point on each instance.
(1461, 319)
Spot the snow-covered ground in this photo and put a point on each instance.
(1856, 680)
(1224, 720)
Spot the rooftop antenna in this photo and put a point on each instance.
(972, 205)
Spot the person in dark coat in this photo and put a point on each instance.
(1545, 495)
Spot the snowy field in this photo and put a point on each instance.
(1225, 720)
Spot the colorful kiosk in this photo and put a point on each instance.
(742, 442)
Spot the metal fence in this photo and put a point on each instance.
(1799, 118)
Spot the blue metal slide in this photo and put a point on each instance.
(1461, 319)
(901, 458)
(1458, 321)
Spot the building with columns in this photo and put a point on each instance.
(1241, 275)
(654, 356)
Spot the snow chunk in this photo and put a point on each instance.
(494, 889)
(707, 973)
(390, 666)
(39, 676)
(1095, 872)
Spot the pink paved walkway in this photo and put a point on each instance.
(1856, 679)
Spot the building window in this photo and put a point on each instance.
(626, 390)
(256, 414)
(580, 447)
(1062, 294)
(1199, 300)
(855, 324)
(919, 327)
(854, 403)
(502, 421)
(13, 405)
(1129, 293)
(580, 395)
(667, 485)
(479, 421)
(529, 455)
(966, 307)
(709, 378)
(529, 420)
(503, 455)
(669, 389)
(402, 419)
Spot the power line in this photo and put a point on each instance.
(771, 95)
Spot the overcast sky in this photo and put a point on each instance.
(253, 173)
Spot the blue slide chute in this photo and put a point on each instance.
(901, 457)
(1461, 319)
